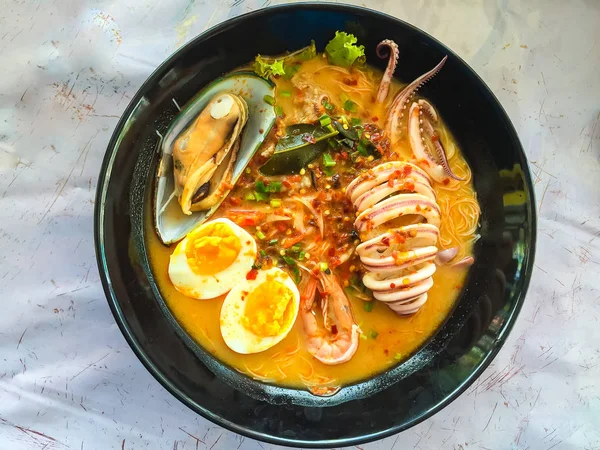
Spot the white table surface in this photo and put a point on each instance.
(68, 379)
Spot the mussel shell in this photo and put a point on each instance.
(170, 222)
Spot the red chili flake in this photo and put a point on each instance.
(247, 222)
(386, 351)
(294, 178)
(331, 251)
(418, 208)
(316, 203)
(281, 226)
(252, 274)
(435, 138)
(344, 154)
(386, 241)
(235, 201)
(374, 118)
(407, 170)
(392, 285)
(334, 329)
(350, 81)
(287, 184)
(446, 181)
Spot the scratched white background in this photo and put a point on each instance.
(68, 379)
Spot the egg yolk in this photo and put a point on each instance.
(212, 248)
(268, 309)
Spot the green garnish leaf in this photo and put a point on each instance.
(328, 106)
(329, 171)
(260, 186)
(260, 235)
(263, 253)
(278, 111)
(273, 242)
(325, 120)
(374, 334)
(328, 160)
(275, 203)
(343, 51)
(261, 196)
(285, 93)
(249, 196)
(296, 273)
(274, 186)
(301, 256)
(289, 261)
(350, 106)
(295, 249)
(368, 306)
(269, 99)
(362, 148)
(355, 121)
(266, 68)
(291, 70)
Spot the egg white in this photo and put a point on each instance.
(204, 287)
(237, 337)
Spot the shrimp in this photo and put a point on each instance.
(337, 341)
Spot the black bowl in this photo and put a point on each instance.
(405, 395)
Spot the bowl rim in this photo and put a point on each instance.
(102, 187)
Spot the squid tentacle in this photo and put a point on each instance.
(387, 48)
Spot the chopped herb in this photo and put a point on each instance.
(260, 196)
(330, 128)
(249, 196)
(269, 99)
(343, 51)
(256, 266)
(325, 120)
(295, 249)
(334, 144)
(328, 160)
(285, 93)
(323, 266)
(328, 106)
(289, 261)
(398, 356)
(301, 256)
(248, 170)
(263, 253)
(273, 242)
(260, 186)
(278, 111)
(260, 235)
(329, 171)
(350, 106)
(374, 334)
(355, 121)
(296, 273)
(368, 306)
(362, 148)
(274, 186)
(275, 203)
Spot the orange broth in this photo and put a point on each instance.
(387, 338)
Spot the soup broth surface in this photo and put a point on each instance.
(387, 338)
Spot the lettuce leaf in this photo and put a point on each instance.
(343, 51)
(266, 68)
(288, 65)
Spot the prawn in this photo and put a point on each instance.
(337, 341)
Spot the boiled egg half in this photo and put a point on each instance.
(257, 314)
(212, 259)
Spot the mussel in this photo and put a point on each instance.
(206, 149)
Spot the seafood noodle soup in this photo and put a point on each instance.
(313, 218)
